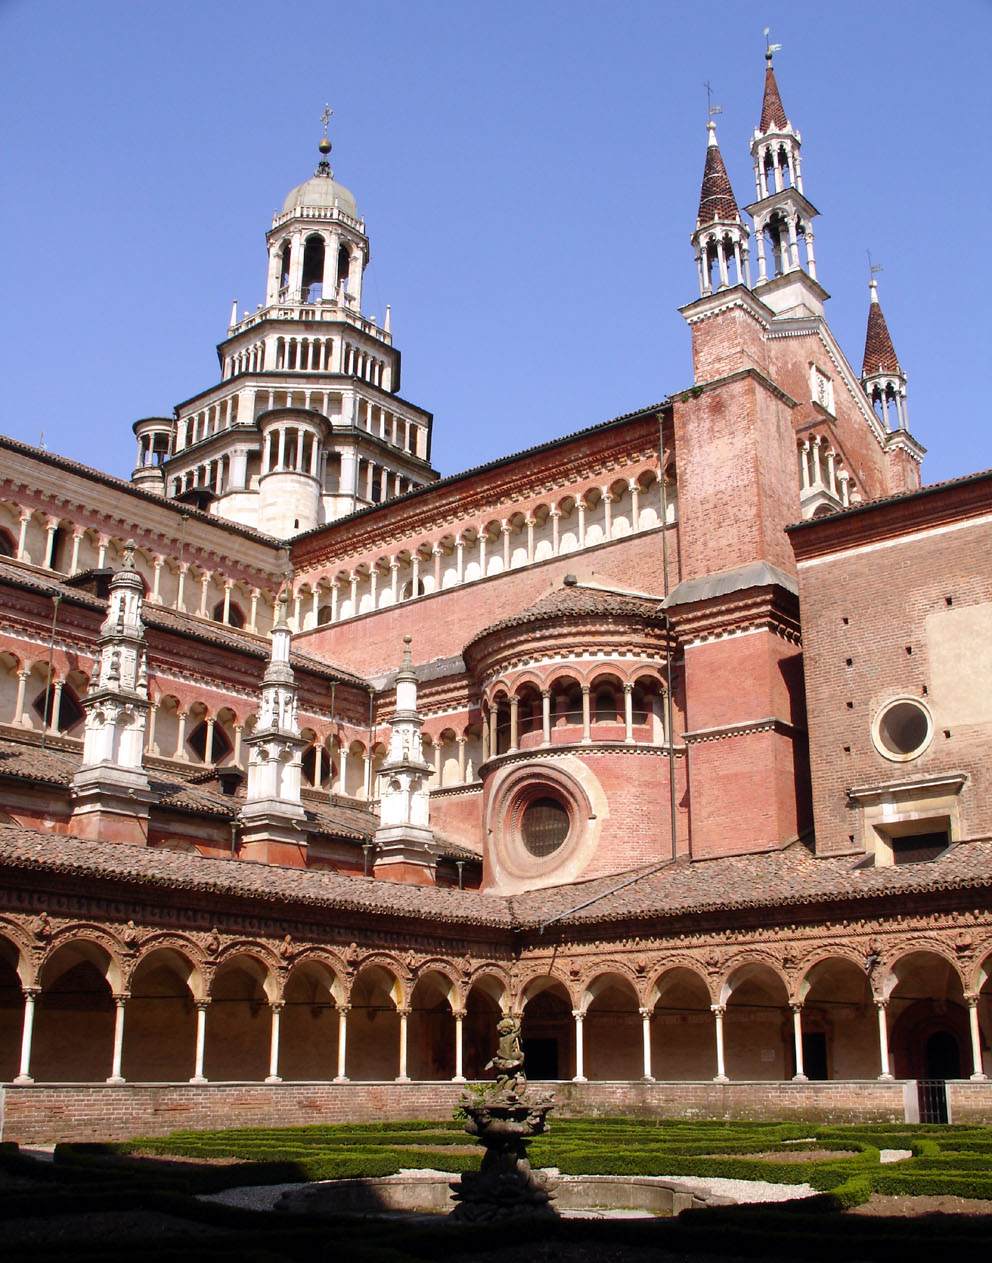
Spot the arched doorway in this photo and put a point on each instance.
(160, 1019)
(612, 1042)
(432, 1028)
(374, 1025)
(484, 1007)
(239, 1022)
(548, 1030)
(683, 1043)
(309, 1025)
(74, 1016)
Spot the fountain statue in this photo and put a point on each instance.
(505, 1118)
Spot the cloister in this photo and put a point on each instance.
(98, 1008)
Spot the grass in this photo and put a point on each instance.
(150, 1174)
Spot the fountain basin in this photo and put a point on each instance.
(430, 1193)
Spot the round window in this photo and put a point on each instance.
(903, 729)
(544, 826)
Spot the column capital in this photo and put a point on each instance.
(645, 1013)
(880, 1004)
(228, 585)
(202, 1005)
(718, 1009)
(971, 998)
(628, 688)
(579, 1014)
(343, 1008)
(30, 993)
(458, 1014)
(277, 1006)
(404, 1010)
(586, 689)
(121, 998)
(796, 1007)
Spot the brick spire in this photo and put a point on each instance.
(880, 354)
(773, 117)
(716, 197)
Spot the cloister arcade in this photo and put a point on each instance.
(470, 553)
(98, 1009)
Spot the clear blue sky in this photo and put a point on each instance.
(528, 173)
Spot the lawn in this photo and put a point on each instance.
(145, 1191)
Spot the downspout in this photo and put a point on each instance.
(669, 728)
(56, 598)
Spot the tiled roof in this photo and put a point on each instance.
(577, 601)
(26, 849)
(772, 111)
(182, 624)
(773, 880)
(880, 354)
(120, 484)
(195, 795)
(716, 197)
(931, 488)
(782, 878)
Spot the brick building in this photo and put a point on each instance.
(312, 762)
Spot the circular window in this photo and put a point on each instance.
(544, 826)
(903, 729)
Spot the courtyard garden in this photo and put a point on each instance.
(878, 1192)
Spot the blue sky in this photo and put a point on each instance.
(528, 173)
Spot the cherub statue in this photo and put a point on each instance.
(509, 1060)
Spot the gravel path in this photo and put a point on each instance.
(251, 1197)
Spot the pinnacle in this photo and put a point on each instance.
(773, 118)
(716, 197)
(880, 354)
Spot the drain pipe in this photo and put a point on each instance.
(669, 728)
(56, 598)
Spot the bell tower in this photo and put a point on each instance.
(306, 423)
(782, 214)
(720, 236)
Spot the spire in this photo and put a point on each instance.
(720, 237)
(880, 354)
(773, 116)
(881, 373)
(716, 196)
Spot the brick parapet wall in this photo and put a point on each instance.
(45, 1113)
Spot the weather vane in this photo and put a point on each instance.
(325, 117)
(770, 48)
(873, 268)
(711, 109)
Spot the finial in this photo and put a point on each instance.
(324, 167)
(711, 109)
(282, 605)
(407, 655)
(873, 270)
(711, 141)
(770, 48)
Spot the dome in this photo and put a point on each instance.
(321, 190)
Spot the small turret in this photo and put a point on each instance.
(881, 373)
(720, 237)
(404, 837)
(110, 791)
(782, 214)
(273, 809)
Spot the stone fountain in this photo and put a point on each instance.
(505, 1117)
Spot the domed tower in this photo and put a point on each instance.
(306, 424)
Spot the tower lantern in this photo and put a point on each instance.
(881, 373)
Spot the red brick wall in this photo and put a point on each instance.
(458, 815)
(748, 790)
(41, 1115)
(442, 623)
(738, 478)
(866, 607)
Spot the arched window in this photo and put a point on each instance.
(408, 592)
(313, 269)
(235, 614)
(323, 615)
(606, 705)
(220, 746)
(287, 254)
(70, 711)
(344, 264)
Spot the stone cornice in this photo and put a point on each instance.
(743, 729)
